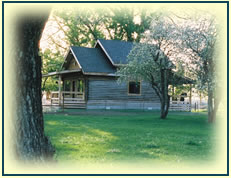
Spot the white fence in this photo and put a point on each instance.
(179, 106)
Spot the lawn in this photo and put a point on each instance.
(128, 136)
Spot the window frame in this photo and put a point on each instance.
(134, 94)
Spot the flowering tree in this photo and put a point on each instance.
(199, 43)
(153, 60)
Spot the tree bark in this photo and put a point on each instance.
(164, 108)
(213, 99)
(210, 107)
(213, 103)
(165, 99)
(31, 143)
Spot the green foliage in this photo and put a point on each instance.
(127, 23)
(130, 136)
(85, 26)
(81, 27)
(51, 62)
(50, 84)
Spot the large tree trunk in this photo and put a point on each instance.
(213, 103)
(164, 107)
(213, 100)
(210, 107)
(30, 140)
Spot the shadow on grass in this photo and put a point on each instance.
(129, 136)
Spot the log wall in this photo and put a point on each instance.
(107, 93)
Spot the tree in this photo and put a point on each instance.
(152, 61)
(127, 24)
(85, 26)
(199, 43)
(31, 143)
(82, 27)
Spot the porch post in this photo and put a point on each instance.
(63, 95)
(173, 92)
(60, 90)
(190, 97)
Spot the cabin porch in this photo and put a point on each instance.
(71, 92)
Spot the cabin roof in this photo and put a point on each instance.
(103, 60)
(117, 51)
(92, 60)
(61, 72)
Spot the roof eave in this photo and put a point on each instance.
(119, 65)
(100, 44)
(76, 58)
(100, 74)
(61, 72)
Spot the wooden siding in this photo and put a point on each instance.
(73, 65)
(109, 89)
(106, 93)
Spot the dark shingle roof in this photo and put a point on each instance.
(93, 60)
(117, 50)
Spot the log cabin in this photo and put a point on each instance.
(88, 80)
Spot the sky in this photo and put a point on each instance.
(52, 30)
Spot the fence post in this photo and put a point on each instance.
(190, 97)
(51, 98)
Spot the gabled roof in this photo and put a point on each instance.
(117, 51)
(103, 60)
(92, 60)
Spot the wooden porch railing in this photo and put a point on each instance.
(66, 97)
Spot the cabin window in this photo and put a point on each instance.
(134, 88)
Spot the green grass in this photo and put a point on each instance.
(128, 136)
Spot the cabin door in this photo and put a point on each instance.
(78, 88)
(74, 88)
